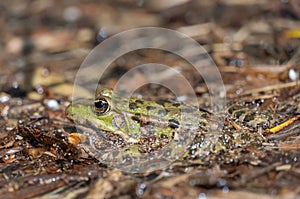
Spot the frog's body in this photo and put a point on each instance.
(135, 118)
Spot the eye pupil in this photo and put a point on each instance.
(101, 106)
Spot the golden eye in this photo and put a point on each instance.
(101, 106)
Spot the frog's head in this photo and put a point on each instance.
(97, 112)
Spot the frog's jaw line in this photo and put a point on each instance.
(95, 128)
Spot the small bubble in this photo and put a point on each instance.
(265, 126)
(192, 152)
(222, 182)
(41, 180)
(40, 90)
(102, 34)
(4, 98)
(53, 104)
(202, 196)
(15, 85)
(140, 189)
(6, 157)
(295, 159)
(238, 91)
(293, 75)
(237, 63)
(181, 98)
(225, 189)
(222, 94)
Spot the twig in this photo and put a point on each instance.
(285, 133)
(269, 88)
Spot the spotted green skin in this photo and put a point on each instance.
(130, 118)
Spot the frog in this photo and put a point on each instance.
(136, 120)
(143, 122)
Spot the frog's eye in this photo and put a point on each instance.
(101, 106)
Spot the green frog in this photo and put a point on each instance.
(153, 123)
(136, 120)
